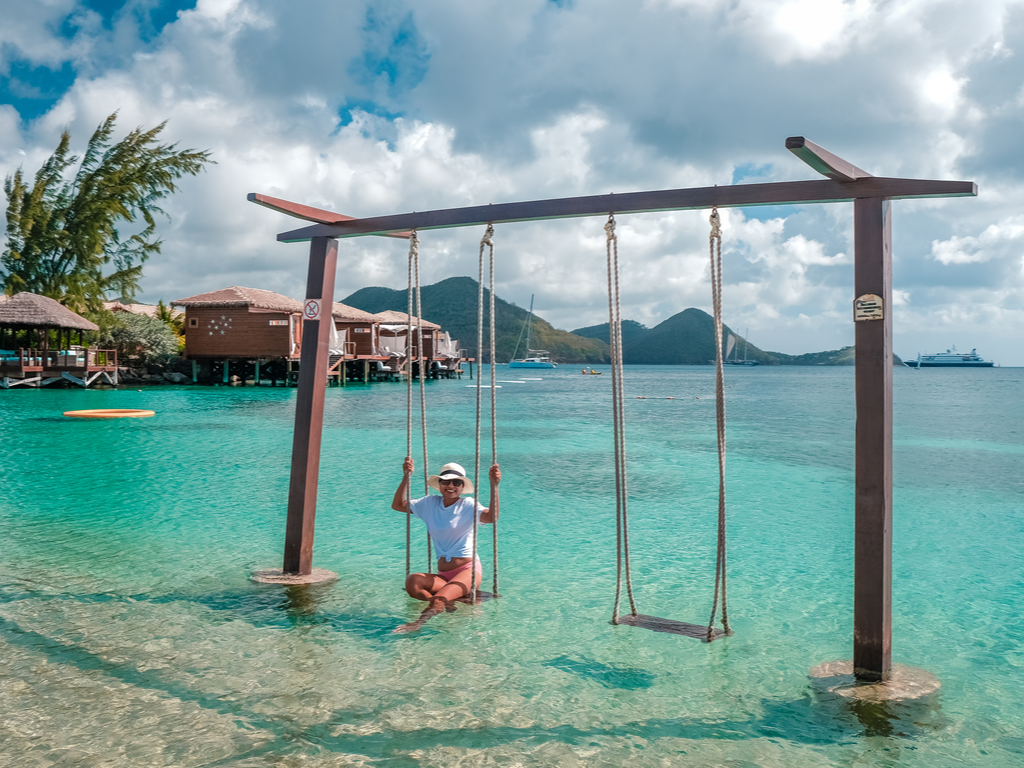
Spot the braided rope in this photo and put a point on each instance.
(485, 241)
(423, 392)
(715, 248)
(489, 239)
(414, 250)
(618, 421)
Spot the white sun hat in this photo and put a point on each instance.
(451, 471)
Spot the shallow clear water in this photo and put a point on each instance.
(131, 634)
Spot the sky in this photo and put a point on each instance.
(376, 108)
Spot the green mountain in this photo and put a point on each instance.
(686, 338)
(452, 304)
(844, 356)
(631, 329)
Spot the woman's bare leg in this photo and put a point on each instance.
(459, 586)
(440, 594)
(423, 586)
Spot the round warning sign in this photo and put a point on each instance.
(311, 309)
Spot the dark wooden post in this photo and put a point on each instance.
(309, 406)
(872, 599)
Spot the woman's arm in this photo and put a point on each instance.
(490, 514)
(401, 500)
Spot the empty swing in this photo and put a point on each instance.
(414, 293)
(633, 618)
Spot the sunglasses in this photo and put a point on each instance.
(456, 483)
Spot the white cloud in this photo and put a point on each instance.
(369, 110)
(1006, 238)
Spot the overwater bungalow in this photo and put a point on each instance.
(37, 345)
(440, 350)
(356, 351)
(237, 329)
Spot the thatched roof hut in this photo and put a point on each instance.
(237, 296)
(29, 310)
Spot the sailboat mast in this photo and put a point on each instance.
(529, 324)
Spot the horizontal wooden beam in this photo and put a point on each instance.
(823, 161)
(736, 196)
(307, 212)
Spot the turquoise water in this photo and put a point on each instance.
(131, 634)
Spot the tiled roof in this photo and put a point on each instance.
(237, 296)
(346, 314)
(392, 317)
(149, 310)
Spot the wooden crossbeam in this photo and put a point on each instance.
(735, 196)
(823, 161)
(307, 212)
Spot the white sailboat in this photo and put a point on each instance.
(734, 361)
(534, 358)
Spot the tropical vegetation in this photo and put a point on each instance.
(138, 338)
(67, 230)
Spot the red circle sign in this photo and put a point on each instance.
(312, 309)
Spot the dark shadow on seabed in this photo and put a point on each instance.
(808, 720)
(260, 606)
(608, 675)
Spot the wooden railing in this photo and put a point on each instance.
(35, 359)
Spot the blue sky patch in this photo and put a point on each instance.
(347, 110)
(152, 15)
(106, 8)
(395, 58)
(750, 173)
(33, 90)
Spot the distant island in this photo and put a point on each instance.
(686, 338)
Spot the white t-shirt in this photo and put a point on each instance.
(450, 528)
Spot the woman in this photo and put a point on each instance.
(449, 521)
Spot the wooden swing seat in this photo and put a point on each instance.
(670, 626)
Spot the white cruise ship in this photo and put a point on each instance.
(953, 359)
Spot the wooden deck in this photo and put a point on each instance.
(40, 368)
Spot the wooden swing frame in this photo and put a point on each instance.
(871, 197)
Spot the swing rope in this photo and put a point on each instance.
(489, 235)
(414, 291)
(715, 248)
(486, 241)
(618, 421)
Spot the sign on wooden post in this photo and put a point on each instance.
(872, 578)
(309, 406)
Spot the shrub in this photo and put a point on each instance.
(138, 338)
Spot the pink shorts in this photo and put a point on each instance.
(449, 575)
